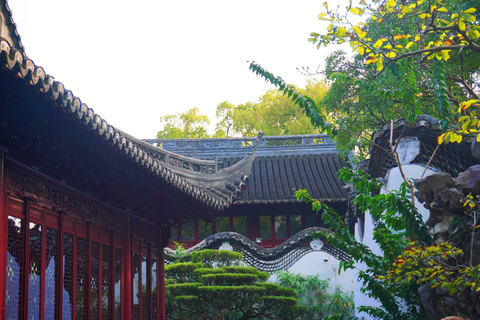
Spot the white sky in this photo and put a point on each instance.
(135, 61)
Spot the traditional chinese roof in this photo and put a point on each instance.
(282, 165)
(11, 33)
(61, 136)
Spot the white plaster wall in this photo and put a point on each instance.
(393, 181)
(325, 265)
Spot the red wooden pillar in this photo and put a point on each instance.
(161, 283)
(26, 260)
(164, 239)
(89, 273)
(127, 280)
(60, 265)
(3, 237)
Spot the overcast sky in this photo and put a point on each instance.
(135, 61)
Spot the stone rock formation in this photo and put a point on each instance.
(444, 196)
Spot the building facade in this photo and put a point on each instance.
(268, 212)
(266, 223)
(86, 209)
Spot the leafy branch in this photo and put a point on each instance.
(306, 103)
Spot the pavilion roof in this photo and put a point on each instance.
(282, 165)
(201, 183)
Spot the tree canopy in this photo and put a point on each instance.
(273, 114)
(190, 124)
(409, 57)
(276, 114)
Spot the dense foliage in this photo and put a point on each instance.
(397, 221)
(276, 114)
(273, 114)
(190, 124)
(409, 57)
(214, 285)
(409, 259)
(314, 293)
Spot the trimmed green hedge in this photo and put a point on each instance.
(231, 289)
(183, 289)
(202, 271)
(241, 269)
(217, 258)
(183, 272)
(274, 300)
(229, 279)
(215, 284)
(187, 299)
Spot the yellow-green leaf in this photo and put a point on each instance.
(469, 17)
(463, 118)
(474, 34)
(466, 124)
(341, 32)
(409, 45)
(447, 136)
(378, 44)
(440, 138)
(442, 9)
(406, 9)
(470, 10)
(454, 16)
(355, 11)
(459, 138)
(445, 54)
(461, 24)
(379, 65)
(391, 55)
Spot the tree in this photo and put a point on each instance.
(214, 285)
(273, 114)
(410, 57)
(188, 125)
(225, 112)
(276, 114)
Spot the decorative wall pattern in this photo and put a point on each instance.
(266, 259)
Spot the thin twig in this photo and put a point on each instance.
(430, 160)
(472, 240)
(399, 164)
(369, 140)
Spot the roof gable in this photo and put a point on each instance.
(282, 165)
(8, 29)
(40, 115)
